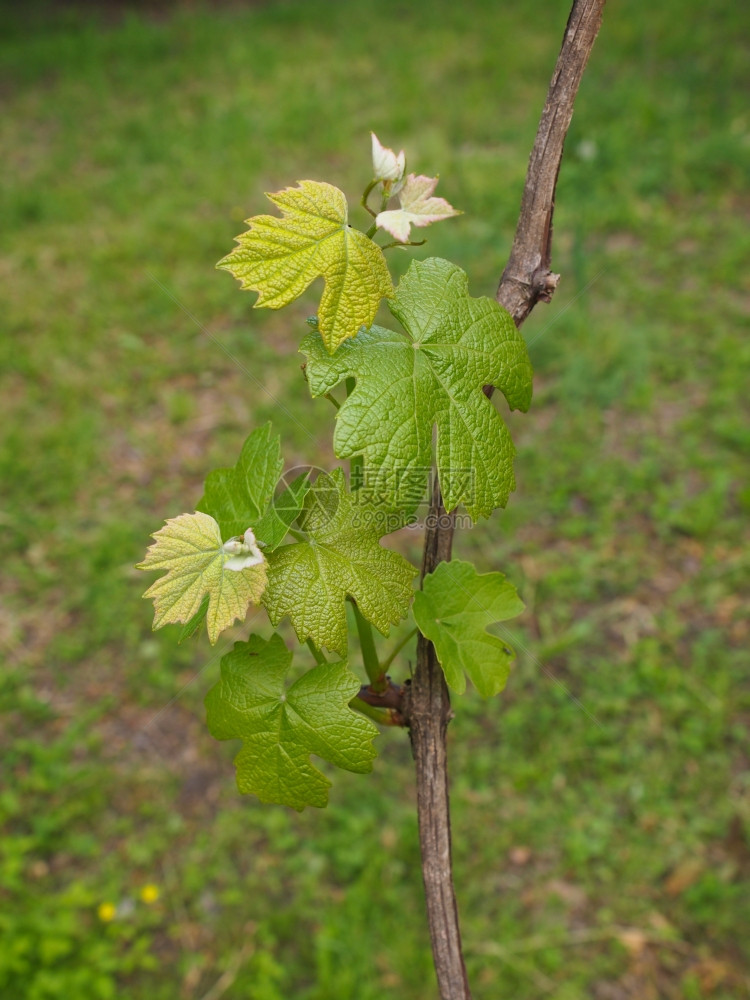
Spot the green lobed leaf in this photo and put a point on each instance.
(432, 374)
(272, 528)
(453, 610)
(280, 727)
(310, 580)
(280, 257)
(238, 497)
(189, 548)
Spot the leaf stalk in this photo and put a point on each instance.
(319, 655)
(383, 716)
(378, 680)
(397, 649)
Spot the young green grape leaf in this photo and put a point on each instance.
(272, 528)
(432, 374)
(280, 727)
(280, 257)
(453, 611)
(190, 549)
(310, 580)
(238, 497)
(418, 208)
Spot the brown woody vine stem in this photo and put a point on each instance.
(527, 279)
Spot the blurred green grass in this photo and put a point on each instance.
(601, 804)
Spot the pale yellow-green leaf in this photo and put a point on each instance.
(190, 549)
(280, 257)
(418, 208)
(386, 165)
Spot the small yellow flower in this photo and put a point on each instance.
(106, 912)
(150, 893)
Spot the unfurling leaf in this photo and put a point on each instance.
(386, 165)
(418, 208)
(280, 727)
(189, 548)
(280, 257)
(310, 580)
(453, 611)
(431, 375)
(243, 552)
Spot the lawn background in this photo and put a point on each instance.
(602, 803)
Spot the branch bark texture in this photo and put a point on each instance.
(429, 712)
(527, 279)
